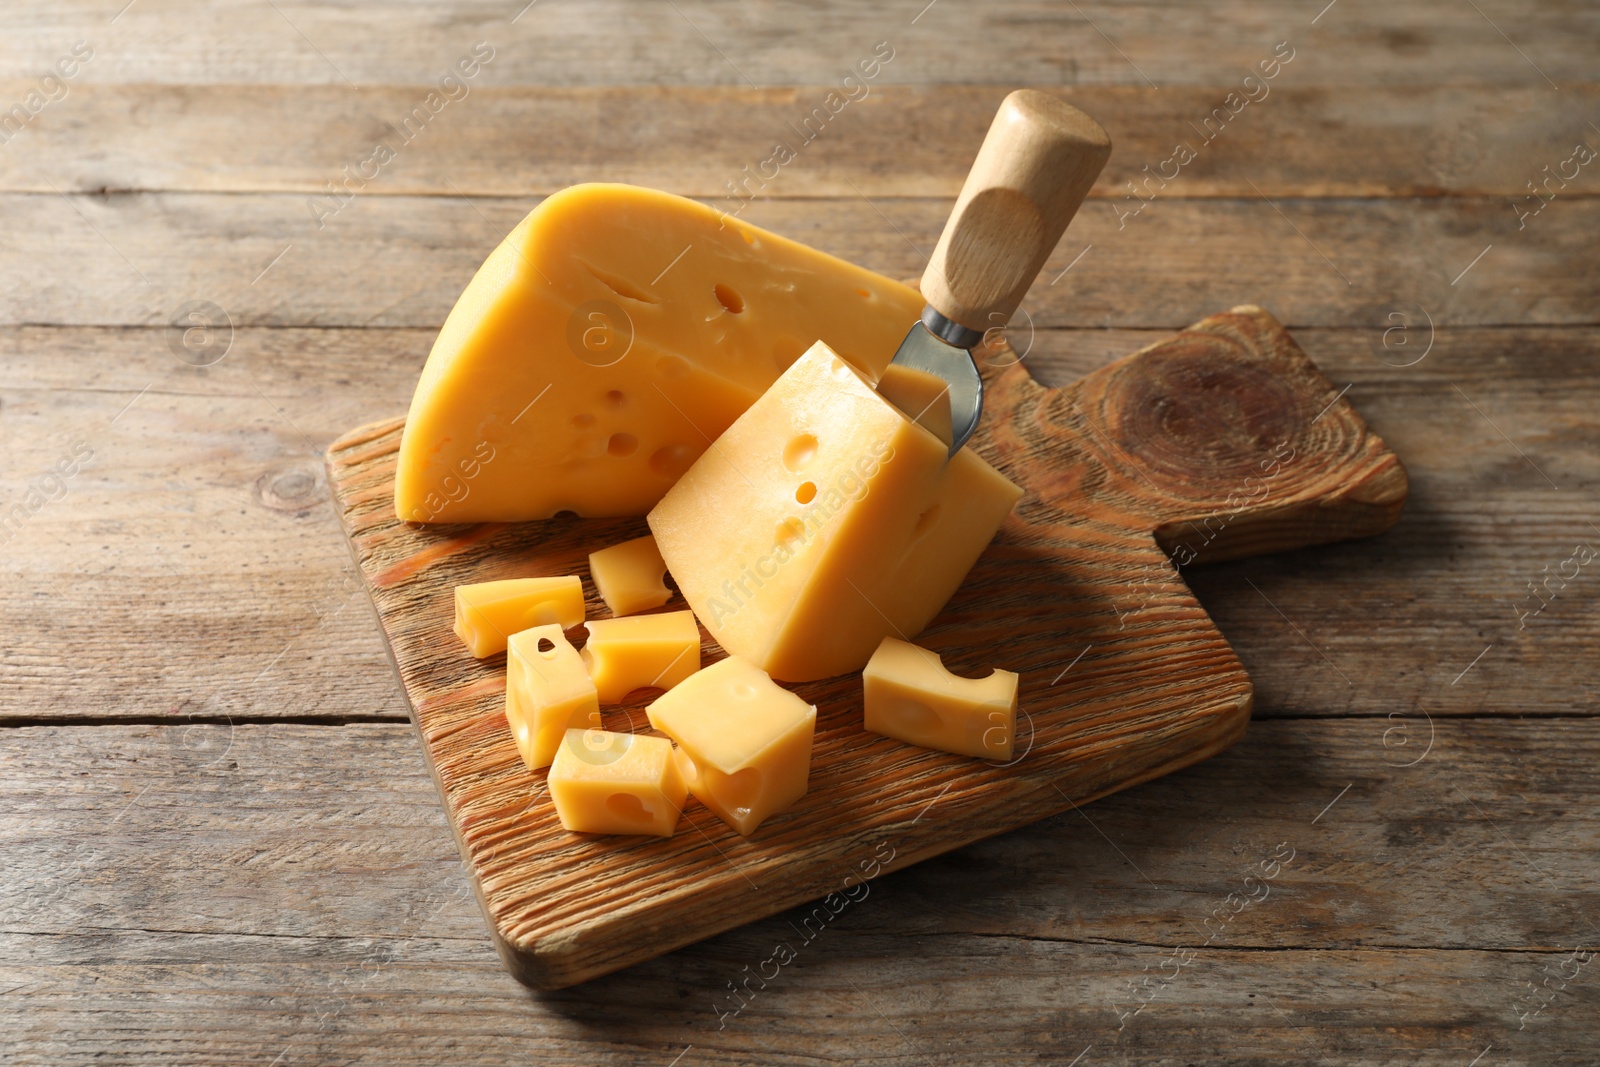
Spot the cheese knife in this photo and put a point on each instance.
(1032, 172)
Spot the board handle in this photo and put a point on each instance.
(1036, 165)
(1223, 441)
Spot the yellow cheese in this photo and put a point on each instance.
(610, 783)
(911, 697)
(641, 650)
(547, 692)
(923, 396)
(629, 576)
(824, 521)
(488, 613)
(745, 741)
(612, 335)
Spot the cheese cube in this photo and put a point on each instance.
(823, 521)
(744, 741)
(923, 396)
(611, 783)
(641, 650)
(488, 613)
(548, 692)
(613, 334)
(630, 576)
(911, 697)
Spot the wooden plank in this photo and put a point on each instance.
(898, 141)
(1403, 929)
(896, 1001)
(1110, 467)
(124, 540)
(868, 998)
(217, 830)
(403, 261)
(198, 527)
(723, 42)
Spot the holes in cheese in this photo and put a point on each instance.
(744, 741)
(799, 452)
(670, 461)
(618, 284)
(630, 576)
(613, 783)
(687, 314)
(548, 691)
(823, 521)
(911, 697)
(729, 298)
(640, 651)
(488, 613)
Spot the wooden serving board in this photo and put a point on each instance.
(1222, 441)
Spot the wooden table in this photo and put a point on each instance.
(220, 842)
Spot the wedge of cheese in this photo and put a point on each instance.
(823, 521)
(611, 337)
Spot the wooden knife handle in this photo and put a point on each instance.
(1036, 165)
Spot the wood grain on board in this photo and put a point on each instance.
(1221, 442)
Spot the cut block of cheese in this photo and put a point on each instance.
(823, 521)
(548, 692)
(911, 697)
(630, 576)
(612, 783)
(612, 334)
(488, 613)
(744, 741)
(641, 650)
(922, 395)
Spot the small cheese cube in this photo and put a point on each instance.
(611, 783)
(488, 613)
(911, 697)
(547, 692)
(745, 741)
(630, 576)
(641, 650)
(922, 396)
